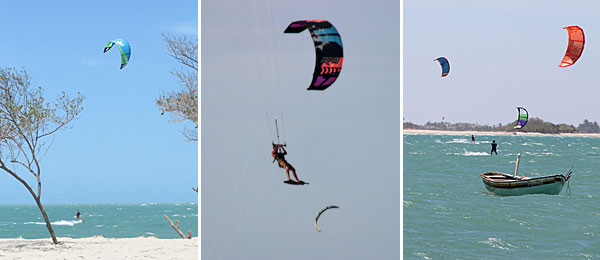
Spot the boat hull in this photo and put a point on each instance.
(506, 185)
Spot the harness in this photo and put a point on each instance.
(279, 157)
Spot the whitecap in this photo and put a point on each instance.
(469, 153)
(421, 254)
(460, 141)
(498, 243)
(533, 143)
(58, 223)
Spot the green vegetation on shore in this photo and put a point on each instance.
(535, 125)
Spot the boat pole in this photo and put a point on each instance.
(517, 164)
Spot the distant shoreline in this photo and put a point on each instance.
(478, 133)
(98, 247)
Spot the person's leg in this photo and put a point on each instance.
(287, 171)
(291, 168)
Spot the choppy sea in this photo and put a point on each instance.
(448, 213)
(109, 220)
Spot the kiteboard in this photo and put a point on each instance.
(295, 182)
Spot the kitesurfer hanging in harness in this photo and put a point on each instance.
(278, 154)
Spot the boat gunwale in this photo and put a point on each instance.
(510, 178)
(512, 183)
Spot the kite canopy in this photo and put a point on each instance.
(321, 212)
(575, 48)
(523, 117)
(445, 66)
(123, 47)
(328, 48)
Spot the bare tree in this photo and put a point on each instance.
(183, 105)
(26, 119)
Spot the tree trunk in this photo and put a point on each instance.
(48, 225)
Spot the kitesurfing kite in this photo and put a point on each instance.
(321, 212)
(328, 48)
(523, 117)
(445, 66)
(123, 47)
(575, 48)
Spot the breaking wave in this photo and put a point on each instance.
(58, 223)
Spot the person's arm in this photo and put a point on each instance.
(283, 149)
(274, 152)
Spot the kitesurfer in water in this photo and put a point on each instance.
(494, 144)
(472, 138)
(78, 215)
(278, 154)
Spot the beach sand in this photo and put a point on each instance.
(476, 133)
(98, 247)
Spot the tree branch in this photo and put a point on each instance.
(3, 167)
(18, 144)
(175, 227)
(25, 166)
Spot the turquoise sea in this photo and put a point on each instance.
(448, 213)
(109, 220)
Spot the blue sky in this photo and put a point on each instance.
(344, 141)
(120, 149)
(502, 55)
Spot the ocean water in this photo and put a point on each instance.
(109, 220)
(448, 213)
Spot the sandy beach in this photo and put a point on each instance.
(98, 247)
(477, 133)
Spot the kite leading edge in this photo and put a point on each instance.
(321, 212)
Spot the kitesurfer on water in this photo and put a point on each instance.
(278, 154)
(78, 215)
(472, 138)
(494, 144)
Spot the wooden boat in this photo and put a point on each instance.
(503, 184)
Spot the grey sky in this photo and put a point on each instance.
(502, 55)
(344, 141)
